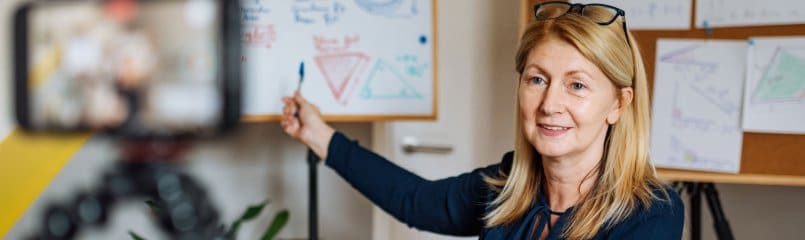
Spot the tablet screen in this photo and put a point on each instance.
(136, 67)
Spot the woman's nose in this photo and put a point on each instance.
(552, 101)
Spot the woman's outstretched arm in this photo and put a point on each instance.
(452, 206)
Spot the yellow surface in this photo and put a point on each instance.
(29, 162)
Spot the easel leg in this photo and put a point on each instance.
(720, 223)
(313, 222)
(694, 189)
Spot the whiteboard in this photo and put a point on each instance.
(363, 60)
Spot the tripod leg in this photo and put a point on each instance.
(694, 189)
(720, 223)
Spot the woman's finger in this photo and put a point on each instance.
(288, 119)
(289, 124)
(286, 110)
(289, 131)
(299, 99)
(287, 101)
(295, 124)
(292, 108)
(293, 128)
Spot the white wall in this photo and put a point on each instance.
(5, 67)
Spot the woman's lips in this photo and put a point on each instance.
(552, 130)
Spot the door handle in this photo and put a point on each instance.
(413, 145)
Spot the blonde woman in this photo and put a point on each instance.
(580, 169)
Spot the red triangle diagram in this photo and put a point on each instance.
(340, 70)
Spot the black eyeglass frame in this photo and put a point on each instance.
(580, 6)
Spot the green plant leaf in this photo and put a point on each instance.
(153, 205)
(253, 211)
(135, 236)
(250, 213)
(280, 220)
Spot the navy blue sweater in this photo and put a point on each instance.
(456, 205)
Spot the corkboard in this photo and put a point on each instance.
(776, 159)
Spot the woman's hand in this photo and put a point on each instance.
(302, 121)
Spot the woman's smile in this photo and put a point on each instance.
(552, 130)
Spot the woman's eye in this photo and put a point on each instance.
(578, 86)
(537, 80)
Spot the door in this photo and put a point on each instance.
(477, 40)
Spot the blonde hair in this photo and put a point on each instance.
(625, 176)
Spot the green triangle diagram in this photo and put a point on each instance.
(386, 82)
(784, 81)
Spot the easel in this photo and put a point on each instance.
(720, 223)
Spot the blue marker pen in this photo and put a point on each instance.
(299, 85)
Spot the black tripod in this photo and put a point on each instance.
(179, 202)
(695, 190)
(148, 172)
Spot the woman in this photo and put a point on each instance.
(580, 169)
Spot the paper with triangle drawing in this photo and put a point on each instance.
(774, 98)
(697, 104)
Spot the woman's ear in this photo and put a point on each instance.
(624, 99)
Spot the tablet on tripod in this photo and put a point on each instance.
(128, 68)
